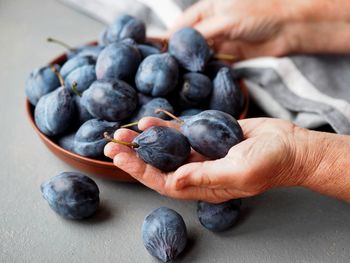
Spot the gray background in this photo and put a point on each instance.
(289, 225)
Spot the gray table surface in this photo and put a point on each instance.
(288, 225)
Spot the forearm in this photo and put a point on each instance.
(327, 165)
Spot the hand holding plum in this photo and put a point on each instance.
(270, 28)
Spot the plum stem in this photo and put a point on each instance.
(129, 124)
(59, 76)
(61, 43)
(223, 56)
(74, 87)
(159, 110)
(130, 144)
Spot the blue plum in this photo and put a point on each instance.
(195, 89)
(111, 100)
(162, 147)
(72, 195)
(143, 99)
(40, 81)
(157, 75)
(75, 63)
(67, 141)
(126, 26)
(227, 95)
(82, 114)
(147, 50)
(84, 76)
(148, 109)
(212, 133)
(190, 49)
(164, 234)
(89, 50)
(89, 140)
(218, 217)
(190, 112)
(55, 112)
(118, 61)
(213, 67)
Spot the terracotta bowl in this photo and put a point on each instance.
(91, 166)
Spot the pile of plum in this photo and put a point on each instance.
(124, 78)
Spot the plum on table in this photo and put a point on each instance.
(72, 195)
(219, 217)
(164, 234)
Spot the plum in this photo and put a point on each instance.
(67, 141)
(72, 195)
(82, 114)
(148, 109)
(55, 111)
(118, 61)
(41, 81)
(195, 89)
(143, 99)
(190, 49)
(162, 147)
(218, 217)
(212, 133)
(89, 140)
(227, 95)
(147, 50)
(164, 234)
(89, 50)
(84, 76)
(75, 63)
(126, 26)
(157, 75)
(213, 67)
(111, 100)
(190, 112)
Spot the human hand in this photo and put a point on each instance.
(244, 28)
(250, 28)
(271, 155)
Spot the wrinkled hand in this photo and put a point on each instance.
(246, 28)
(271, 155)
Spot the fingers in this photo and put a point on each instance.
(212, 27)
(191, 16)
(148, 122)
(137, 168)
(112, 149)
(244, 49)
(211, 174)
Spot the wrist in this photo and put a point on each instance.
(326, 165)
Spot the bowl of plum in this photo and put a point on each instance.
(82, 96)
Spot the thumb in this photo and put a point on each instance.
(211, 174)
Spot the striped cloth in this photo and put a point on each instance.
(309, 90)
